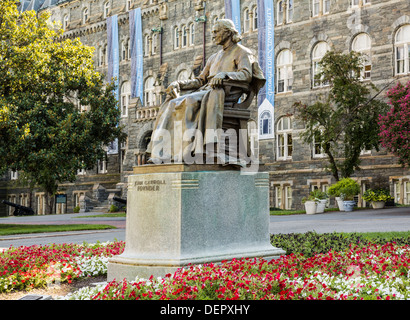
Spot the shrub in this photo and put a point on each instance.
(377, 195)
(76, 209)
(113, 208)
(346, 188)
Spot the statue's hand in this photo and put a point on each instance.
(173, 89)
(217, 80)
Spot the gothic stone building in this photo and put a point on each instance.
(177, 42)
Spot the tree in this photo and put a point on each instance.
(344, 120)
(43, 84)
(395, 125)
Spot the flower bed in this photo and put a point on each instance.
(364, 271)
(24, 268)
(371, 272)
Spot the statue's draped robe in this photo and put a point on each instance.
(182, 123)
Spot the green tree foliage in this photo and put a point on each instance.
(43, 84)
(344, 120)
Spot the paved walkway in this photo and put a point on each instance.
(388, 219)
(391, 219)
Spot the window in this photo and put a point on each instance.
(318, 52)
(284, 138)
(191, 34)
(396, 191)
(106, 9)
(14, 175)
(278, 197)
(184, 41)
(85, 15)
(284, 71)
(318, 151)
(362, 44)
(255, 18)
(402, 50)
(103, 55)
(146, 45)
(406, 193)
(280, 12)
(65, 22)
(315, 8)
(265, 125)
(283, 197)
(125, 98)
(326, 6)
(149, 92)
(176, 38)
(102, 166)
(285, 11)
(289, 11)
(124, 50)
(154, 43)
(246, 20)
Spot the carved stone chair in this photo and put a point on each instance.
(237, 110)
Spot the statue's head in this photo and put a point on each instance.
(228, 27)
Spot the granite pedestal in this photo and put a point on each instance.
(179, 215)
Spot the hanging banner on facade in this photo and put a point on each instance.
(233, 12)
(266, 57)
(137, 85)
(113, 52)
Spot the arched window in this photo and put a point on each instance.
(149, 92)
(279, 20)
(154, 43)
(184, 41)
(246, 20)
(124, 50)
(362, 44)
(146, 45)
(265, 123)
(284, 138)
(255, 18)
(402, 50)
(106, 9)
(125, 98)
(65, 22)
(191, 34)
(317, 54)
(176, 38)
(284, 73)
(103, 55)
(85, 15)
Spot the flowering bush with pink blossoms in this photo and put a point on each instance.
(395, 125)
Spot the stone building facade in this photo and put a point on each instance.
(177, 42)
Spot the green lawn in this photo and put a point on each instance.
(10, 229)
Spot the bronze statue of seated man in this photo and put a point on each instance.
(188, 126)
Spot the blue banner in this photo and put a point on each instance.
(113, 52)
(266, 42)
(266, 57)
(233, 12)
(137, 56)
